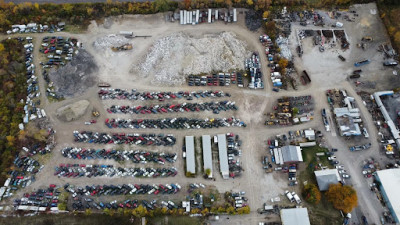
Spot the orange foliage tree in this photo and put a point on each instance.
(311, 193)
(343, 197)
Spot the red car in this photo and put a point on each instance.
(52, 185)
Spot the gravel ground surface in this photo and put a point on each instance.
(326, 72)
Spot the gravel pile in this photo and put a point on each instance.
(173, 57)
(75, 77)
(109, 41)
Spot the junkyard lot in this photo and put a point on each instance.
(260, 187)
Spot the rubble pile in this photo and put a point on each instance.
(173, 57)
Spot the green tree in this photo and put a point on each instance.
(208, 172)
(88, 212)
(162, 5)
(249, 2)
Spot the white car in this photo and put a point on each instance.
(332, 158)
(339, 167)
(346, 176)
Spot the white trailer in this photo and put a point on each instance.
(234, 15)
(197, 16)
(126, 33)
(184, 17)
(209, 15)
(188, 17)
(216, 14)
(276, 156)
(181, 17)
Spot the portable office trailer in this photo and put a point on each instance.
(184, 17)
(197, 16)
(190, 17)
(276, 154)
(234, 15)
(181, 17)
(216, 14)
(209, 15)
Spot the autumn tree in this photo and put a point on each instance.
(343, 197)
(397, 37)
(249, 2)
(311, 193)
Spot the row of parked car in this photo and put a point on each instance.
(174, 123)
(22, 176)
(234, 152)
(109, 93)
(125, 189)
(136, 156)
(81, 203)
(42, 197)
(32, 112)
(220, 79)
(215, 107)
(122, 138)
(83, 170)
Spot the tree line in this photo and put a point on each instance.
(13, 90)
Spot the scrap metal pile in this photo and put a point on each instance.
(122, 138)
(215, 107)
(135, 156)
(173, 57)
(174, 123)
(82, 170)
(109, 93)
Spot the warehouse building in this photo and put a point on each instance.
(389, 181)
(291, 154)
(326, 178)
(207, 155)
(190, 158)
(223, 156)
(295, 216)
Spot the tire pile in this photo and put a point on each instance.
(109, 93)
(253, 20)
(215, 107)
(174, 123)
(83, 170)
(122, 138)
(134, 156)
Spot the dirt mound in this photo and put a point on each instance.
(75, 77)
(72, 111)
(173, 57)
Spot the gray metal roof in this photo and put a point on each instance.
(390, 181)
(207, 155)
(295, 216)
(223, 156)
(291, 153)
(326, 178)
(190, 159)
